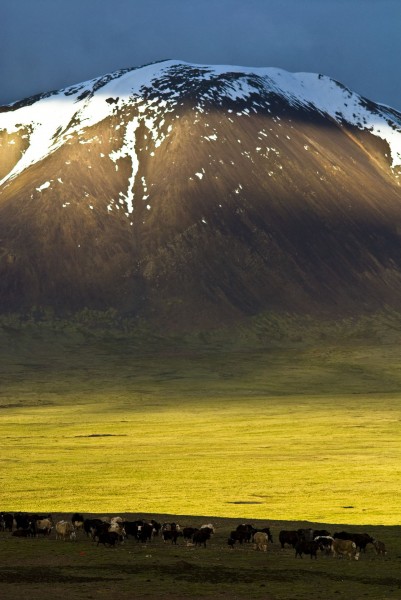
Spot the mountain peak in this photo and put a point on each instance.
(179, 189)
(53, 117)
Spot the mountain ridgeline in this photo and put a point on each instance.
(191, 196)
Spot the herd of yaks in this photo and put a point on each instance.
(111, 531)
(309, 541)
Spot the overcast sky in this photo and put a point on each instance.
(49, 44)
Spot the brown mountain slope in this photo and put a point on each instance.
(281, 209)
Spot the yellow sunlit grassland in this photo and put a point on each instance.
(292, 434)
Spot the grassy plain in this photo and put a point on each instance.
(300, 431)
(283, 422)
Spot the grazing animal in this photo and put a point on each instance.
(245, 532)
(305, 534)
(346, 548)
(239, 536)
(65, 530)
(43, 526)
(306, 547)
(288, 537)
(200, 537)
(342, 535)
(379, 547)
(109, 538)
(133, 528)
(170, 531)
(188, 532)
(142, 530)
(361, 539)
(260, 540)
(145, 533)
(23, 533)
(172, 535)
(90, 526)
(170, 527)
(156, 526)
(208, 526)
(6, 521)
(116, 520)
(93, 527)
(77, 521)
(325, 542)
(22, 520)
(267, 531)
(104, 527)
(320, 533)
(118, 528)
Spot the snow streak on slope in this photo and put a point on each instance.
(155, 89)
(57, 118)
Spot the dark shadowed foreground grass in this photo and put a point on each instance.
(46, 569)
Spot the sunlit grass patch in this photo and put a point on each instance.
(280, 457)
(286, 433)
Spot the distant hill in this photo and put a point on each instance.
(190, 196)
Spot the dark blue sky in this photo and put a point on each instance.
(48, 44)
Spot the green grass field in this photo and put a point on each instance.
(303, 432)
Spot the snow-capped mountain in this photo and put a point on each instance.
(189, 193)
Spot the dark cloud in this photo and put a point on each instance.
(48, 44)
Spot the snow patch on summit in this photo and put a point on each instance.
(152, 91)
(55, 119)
